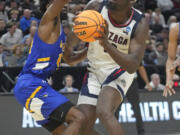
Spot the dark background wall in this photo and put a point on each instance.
(8, 76)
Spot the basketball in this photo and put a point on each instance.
(86, 25)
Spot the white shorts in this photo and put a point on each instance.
(94, 81)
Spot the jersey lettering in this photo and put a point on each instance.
(117, 39)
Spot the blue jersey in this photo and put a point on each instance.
(44, 58)
(32, 90)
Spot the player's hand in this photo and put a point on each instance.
(149, 88)
(103, 39)
(168, 90)
(72, 40)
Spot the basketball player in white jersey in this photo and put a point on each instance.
(113, 59)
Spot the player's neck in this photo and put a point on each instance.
(121, 17)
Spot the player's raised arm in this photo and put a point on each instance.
(49, 28)
(53, 10)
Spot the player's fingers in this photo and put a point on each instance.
(173, 91)
(106, 22)
(169, 92)
(73, 19)
(107, 27)
(150, 89)
(165, 92)
(98, 38)
(104, 29)
(170, 85)
(101, 32)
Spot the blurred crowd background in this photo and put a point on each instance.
(19, 20)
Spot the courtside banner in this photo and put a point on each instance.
(160, 115)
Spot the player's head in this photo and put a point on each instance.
(116, 5)
(44, 5)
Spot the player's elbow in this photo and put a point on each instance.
(131, 71)
(132, 68)
(69, 61)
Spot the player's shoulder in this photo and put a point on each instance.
(138, 16)
(143, 25)
(93, 5)
(136, 11)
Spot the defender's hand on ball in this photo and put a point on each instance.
(104, 31)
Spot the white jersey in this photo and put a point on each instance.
(102, 69)
(119, 36)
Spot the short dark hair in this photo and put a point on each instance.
(10, 24)
(43, 5)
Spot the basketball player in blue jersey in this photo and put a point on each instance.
(49, 108)
(172, 62)
(113, 59)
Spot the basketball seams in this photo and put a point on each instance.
(90, 35)
(97, 24)
(96, 17)
(88, 18)
(84, 27)
(88, 31)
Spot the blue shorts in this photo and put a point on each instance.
(38, 97)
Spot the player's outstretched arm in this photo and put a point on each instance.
(53, 10)
(171, 64)
(49, 27)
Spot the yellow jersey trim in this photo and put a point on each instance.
(43, 59)
(31, 46)
(31, 97)
(59, 59)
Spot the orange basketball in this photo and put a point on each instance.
(86, 25)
